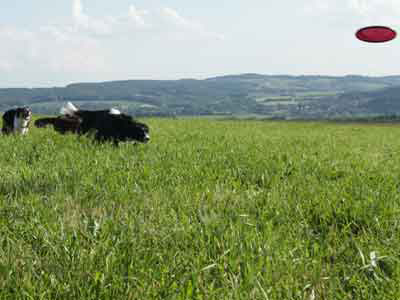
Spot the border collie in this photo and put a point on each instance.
(17, 120)
(108, 125)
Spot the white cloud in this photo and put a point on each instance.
(356, 11)
(137, 15)
(78, 15)
(182, 25)
(176, 18)
(165, 21)
(375, 7)
(85, 23)
(360, 7)
(49, 49)
(86, 43)
(16, 48)
(384, 12)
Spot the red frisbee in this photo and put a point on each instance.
(376, 34)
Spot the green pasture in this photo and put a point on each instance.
(209, 209)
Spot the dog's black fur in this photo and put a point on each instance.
(17, 116)
(108, 125)
(61, 124)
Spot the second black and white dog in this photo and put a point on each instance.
(17, 120)
(107, 125)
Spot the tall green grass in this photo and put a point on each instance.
(207, 210)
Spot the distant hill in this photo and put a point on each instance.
(274, 96)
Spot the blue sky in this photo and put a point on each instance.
(53, 43)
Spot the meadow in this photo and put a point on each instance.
(209, 209)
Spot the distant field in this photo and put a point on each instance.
(305, 97)
(123, 105)
(209, 209)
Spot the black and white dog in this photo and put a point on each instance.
(17, 120)
(107, 125)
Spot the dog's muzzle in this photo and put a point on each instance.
(26, 114)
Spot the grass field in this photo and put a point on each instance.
(209, 209)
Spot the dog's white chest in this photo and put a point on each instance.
(24, 130)
(20, 125)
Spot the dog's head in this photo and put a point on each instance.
(24, 113)
(135, 131)
(128, 129)
(140, 132)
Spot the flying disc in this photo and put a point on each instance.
(376, 34)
